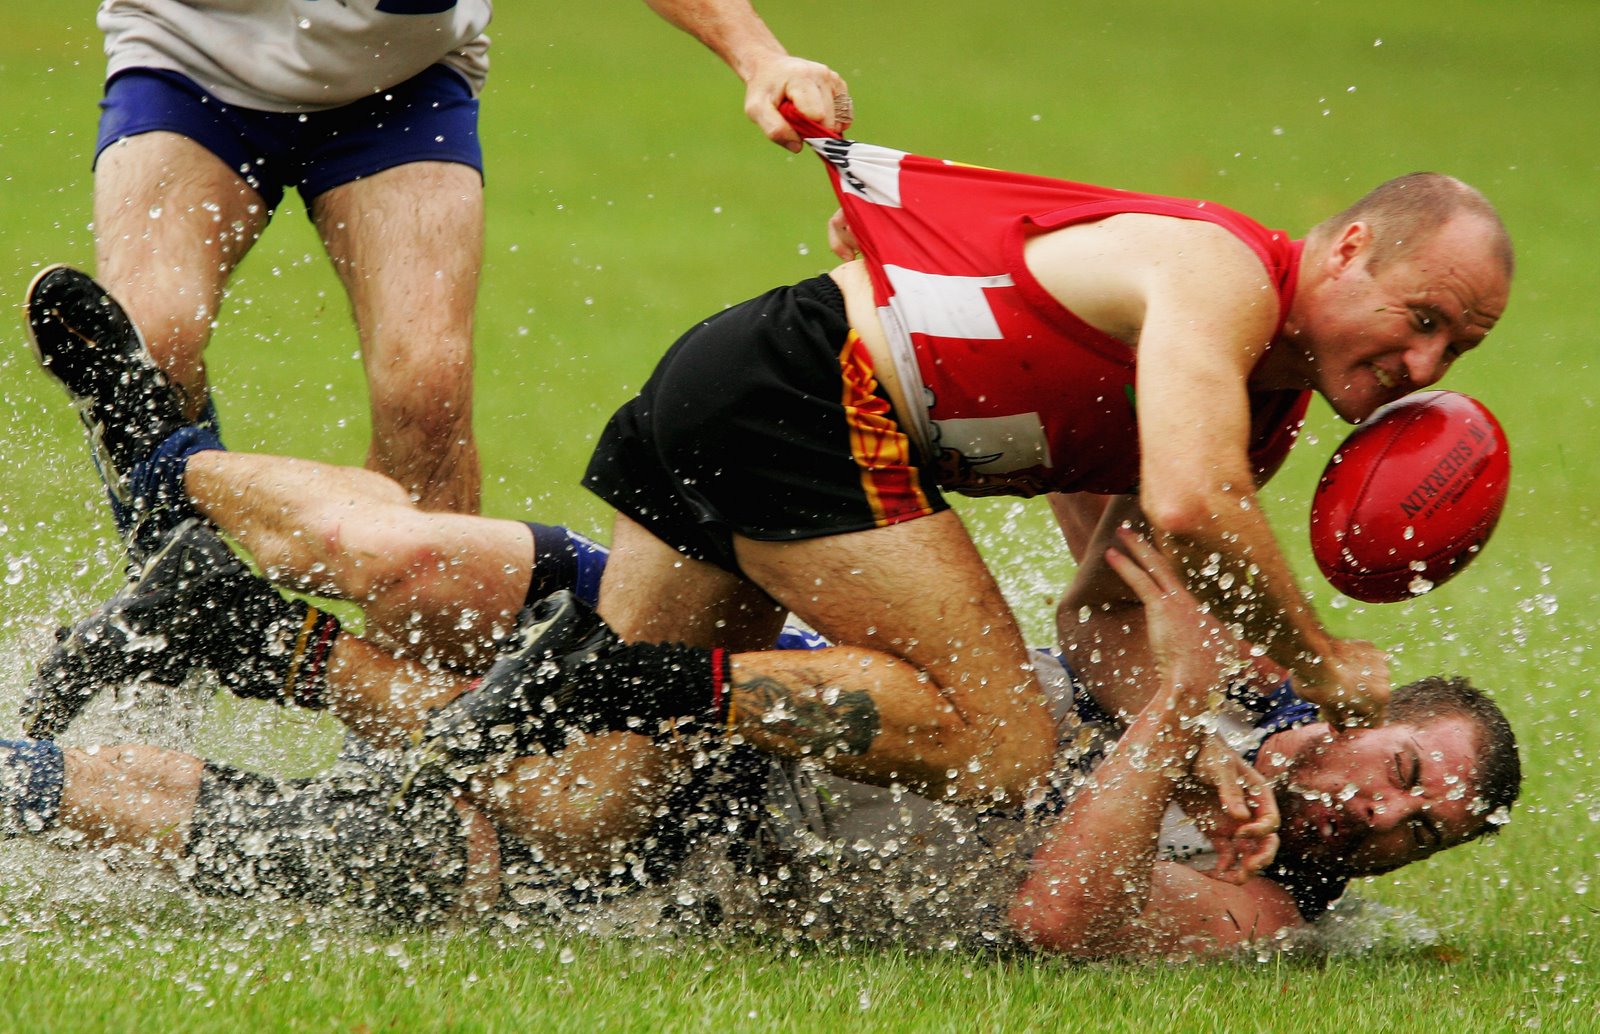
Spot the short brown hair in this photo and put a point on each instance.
(1497, 769)
(1405, 210)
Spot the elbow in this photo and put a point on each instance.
(1184, 512)
(1044, 919)
(1034, 925)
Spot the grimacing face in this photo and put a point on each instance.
(1371, 800)
(1375, 336)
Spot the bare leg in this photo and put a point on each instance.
(384, 698)
(443, 585)
(131, 794)
(928, 649)
(652, 593)
(171, 223)
(577, 806)
(931, 684)
(408, 245)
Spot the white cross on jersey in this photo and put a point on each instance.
(940, 305)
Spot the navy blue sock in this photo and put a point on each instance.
(592, 557)
(32, 773)
(563, 559)
(555, 561)
(155, 485)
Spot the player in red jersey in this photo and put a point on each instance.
(1138, 357)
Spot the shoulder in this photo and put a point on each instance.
(1116, 271)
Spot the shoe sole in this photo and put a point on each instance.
(83, 404)
(48, 713)
(29, 307)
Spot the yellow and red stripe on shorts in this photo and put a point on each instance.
(892, 486)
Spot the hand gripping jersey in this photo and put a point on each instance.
(297, 55)
(1021, 395)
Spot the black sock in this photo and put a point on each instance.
(652, 682)
(278, 646)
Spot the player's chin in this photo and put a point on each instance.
(1351, 412)
(1357, 407)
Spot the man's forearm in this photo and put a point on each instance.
(731, 29)
(1092, 876)
(1232, 562)
(1101, 628)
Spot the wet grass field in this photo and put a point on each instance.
(629, 197)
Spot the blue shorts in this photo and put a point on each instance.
(432, 116)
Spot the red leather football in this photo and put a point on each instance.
(1410, 497)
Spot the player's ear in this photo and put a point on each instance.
(1349, 247)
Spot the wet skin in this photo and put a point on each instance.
(1370, 338)
(1372, 800)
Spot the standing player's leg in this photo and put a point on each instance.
(408, 245)
(171, 223)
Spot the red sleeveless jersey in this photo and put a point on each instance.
(1022, 396)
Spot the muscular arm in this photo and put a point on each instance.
(736, 34)
(1095, 887)
(1203, 313)
(1198, 488)
(1093, 876)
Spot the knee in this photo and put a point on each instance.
(365, 554)
(1016, 754)
(423, 400)
(405, 574)
(1006, 775)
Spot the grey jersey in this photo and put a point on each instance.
(841, 859)
(837, 858)
(296, 55)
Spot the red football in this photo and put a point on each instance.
(1410, 497)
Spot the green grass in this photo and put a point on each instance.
(627, 198)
